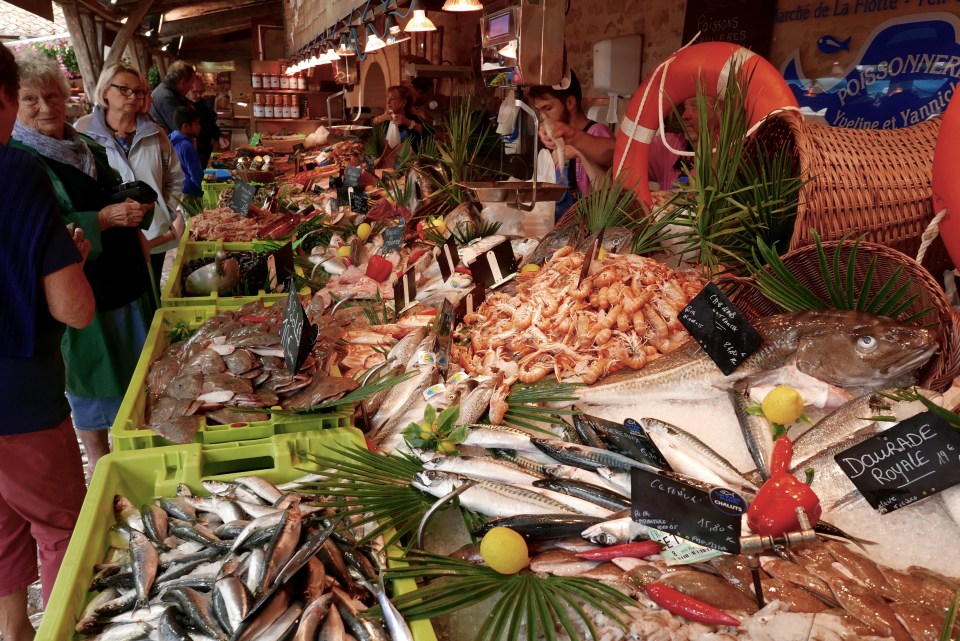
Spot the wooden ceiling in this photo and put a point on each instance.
(205, 25)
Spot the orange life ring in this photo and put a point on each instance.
(946, 181)
(708, 63)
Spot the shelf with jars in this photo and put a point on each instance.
(289, 102)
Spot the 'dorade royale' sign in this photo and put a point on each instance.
(869, 64)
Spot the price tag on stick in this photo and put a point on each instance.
(449, 258)
(706, 518)
(591, 254)
(243, 194)
(495, 267)
(470, 302)
(297, 336)
(906, 463)
(405, 291)
(280, 267)
(722, 331)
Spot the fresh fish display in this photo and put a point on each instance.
(243, 587)
(848, 349)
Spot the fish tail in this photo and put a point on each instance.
(845, 45)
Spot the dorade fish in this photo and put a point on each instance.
(848, 349)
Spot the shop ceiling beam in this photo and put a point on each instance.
(220, 22)
(126, 33)
(200, 9)
(95, 7)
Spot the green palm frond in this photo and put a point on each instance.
(946, 633)
(844, 291)
(363, 392)
(371, 488)
(376, 142)
(525, 597)
(530, 403)
(909, 395)
(609, 203)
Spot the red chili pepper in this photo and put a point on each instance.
(379, 268)
(463, 270)
(415, 255)
(686, 606)
(782, 455)
(636, 550)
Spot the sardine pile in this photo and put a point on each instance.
(623, 315)
(234, 360)
(250, 561)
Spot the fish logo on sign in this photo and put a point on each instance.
(829, 44)
(904, 74)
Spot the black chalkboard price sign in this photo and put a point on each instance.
(359, 202)
(243, 194)
(722, 331)
(392, 238)
(297, 336)
(709, 518)
(351, 176)
(906, 463)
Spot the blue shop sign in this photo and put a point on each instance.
(906, 73)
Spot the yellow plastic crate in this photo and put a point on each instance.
(130, 430)
(211, 193)
(142, 475)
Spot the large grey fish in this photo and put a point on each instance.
(477, 402)
(844, 348)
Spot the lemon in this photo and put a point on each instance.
(530, 268)
(602, 254)
(439, 225)
(504, 550)
(782, 405)
(446, 447)
(427, 430)
(344, 251)
(363, 231)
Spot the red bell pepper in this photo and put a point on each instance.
(636, 550)
(774, 510)
(379, 268)
(686, 606)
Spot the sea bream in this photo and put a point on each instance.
(849, 349)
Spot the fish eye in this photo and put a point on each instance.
(867, 344)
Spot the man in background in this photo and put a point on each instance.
(209, 131)
(172, 93)
(566, 121)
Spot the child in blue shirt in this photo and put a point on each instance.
(187, 121)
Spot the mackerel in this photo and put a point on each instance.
(591, 458)
(755, 429)
(498, 437)
(485, 467)
(843, 348)
(538, 527)
(489, 497)
(618, 481)
(587, 492)
(691, 457)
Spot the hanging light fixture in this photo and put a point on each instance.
(332, 55)
(395, 35)
(374, 43)
(419, 22)
(344, 49)
(462, 5)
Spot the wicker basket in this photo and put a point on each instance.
(803, 263)
(862, 181)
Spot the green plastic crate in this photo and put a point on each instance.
(140, 476)
(211, 193)
(173, 296)
(130, 431)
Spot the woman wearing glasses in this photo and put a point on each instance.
(99, 359)
(140, 150)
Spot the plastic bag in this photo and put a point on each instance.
(393, 136)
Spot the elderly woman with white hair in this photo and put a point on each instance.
(140, 150)
(99, 359)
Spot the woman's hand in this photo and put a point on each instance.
(126, 214)
(82, 244)
(401, 121)
(178, 226)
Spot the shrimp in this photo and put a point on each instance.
(566, 250)
(595, 371)
(657, 324)
(498, 402)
